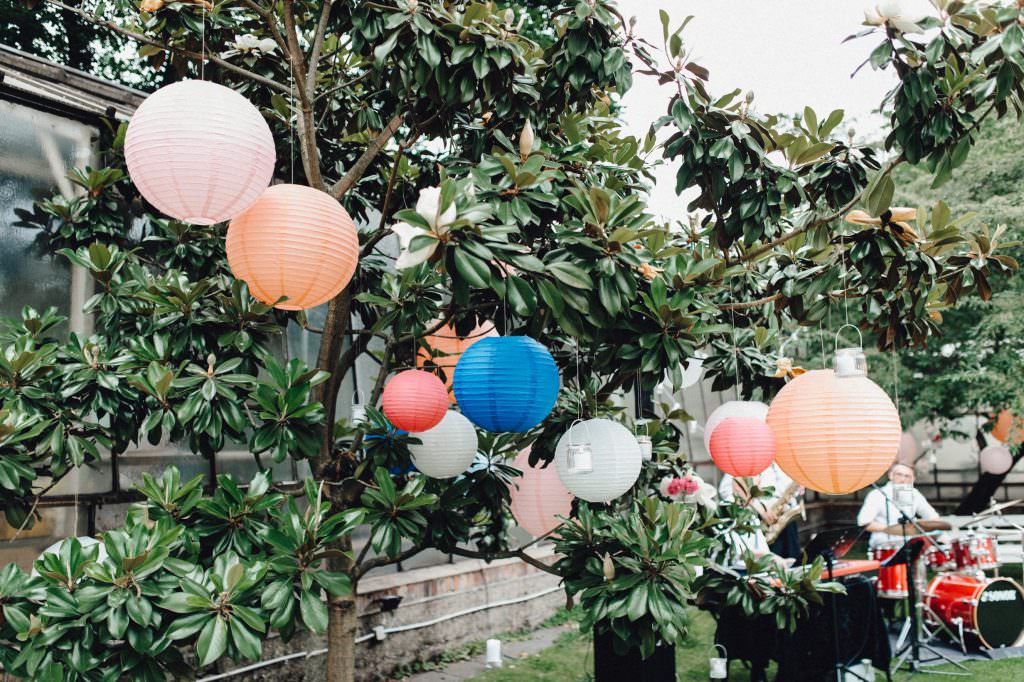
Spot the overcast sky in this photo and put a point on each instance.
(788, 52)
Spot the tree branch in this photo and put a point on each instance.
(511, 554)
(306, 126)
(363, 162)
(318, 43)
(750, 304)
(363, 568)
(138, 37)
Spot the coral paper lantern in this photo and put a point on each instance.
(834, 434)
(1008, 429)
(295, 242)
(415, 400)
(742, 446)
(446, 450)
(616, 460)
(199, 152)
(444, 348)
(995, 459)
(539, 497)
(506, 383)
(732, 408)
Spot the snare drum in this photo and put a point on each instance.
(975, 551)
(992, 610)
(892, 580)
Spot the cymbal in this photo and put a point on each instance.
(996, 508)
(898, 529)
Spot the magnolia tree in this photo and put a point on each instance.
(486, 137)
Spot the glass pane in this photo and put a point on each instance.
(36, 151)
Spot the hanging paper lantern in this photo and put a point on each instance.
(616, 460)
(199, 152)
(995, 459)
(414, 400)
(539, 497)
(446, 450)
(296, 242)
(909, 449)
(742, 446)
(1008, 429)
(506, 383)
(444, 348)
(732, 408)
(834, 434)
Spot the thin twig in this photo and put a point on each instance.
(318, 43)
(511, 554)
(362, 569)
(138, 37)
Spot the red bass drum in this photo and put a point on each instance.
(992, 610)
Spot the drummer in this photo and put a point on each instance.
(883, 507)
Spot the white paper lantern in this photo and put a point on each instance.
(733, 408)
(446, 450)
(616, 460)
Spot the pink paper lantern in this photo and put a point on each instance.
(539, 497)
(199, 152)
(909, 449)
(415, 400)
(294, 242)
(995, 459)
(742, 446)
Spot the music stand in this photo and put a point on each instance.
(833, 545)
(908, 555)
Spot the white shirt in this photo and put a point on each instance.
(881, 508)
(754, 541)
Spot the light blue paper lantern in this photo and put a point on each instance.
(506, 383)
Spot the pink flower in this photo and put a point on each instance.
(690, 485)
(676, 486)
(663, 486)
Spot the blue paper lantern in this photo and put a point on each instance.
(506, 383)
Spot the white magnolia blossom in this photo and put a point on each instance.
(429, 207)
(248, 43)
(894, 12)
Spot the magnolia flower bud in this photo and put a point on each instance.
(526, 140)
(608, 567)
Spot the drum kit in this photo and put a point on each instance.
(960, 599)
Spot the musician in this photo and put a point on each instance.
(787, 544)
(883, 507)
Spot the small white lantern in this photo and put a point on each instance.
(446, 450)
(615, 460)
(493, 659)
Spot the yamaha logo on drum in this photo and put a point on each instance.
(999, 595)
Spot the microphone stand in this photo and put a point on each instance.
(911, 653)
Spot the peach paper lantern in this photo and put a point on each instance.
(1008, 429)
(995, 459)
(834, 434)
(199, 152)
(295, 242)
(414, 400)
(742, 446)
(444, 348)
(538, 497)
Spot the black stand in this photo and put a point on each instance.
(907, 555)
(832, 546)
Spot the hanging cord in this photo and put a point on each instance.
(291, 126)
(735, 346)
(821, 338)
(846, 283)
(579, 386)
(202, 39)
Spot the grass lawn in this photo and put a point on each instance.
(571, 660)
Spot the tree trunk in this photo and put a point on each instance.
(342, 623)
(981, 494)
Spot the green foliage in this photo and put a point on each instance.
(218, 571)
(632, 572)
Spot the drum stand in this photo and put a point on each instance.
(910, 654)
